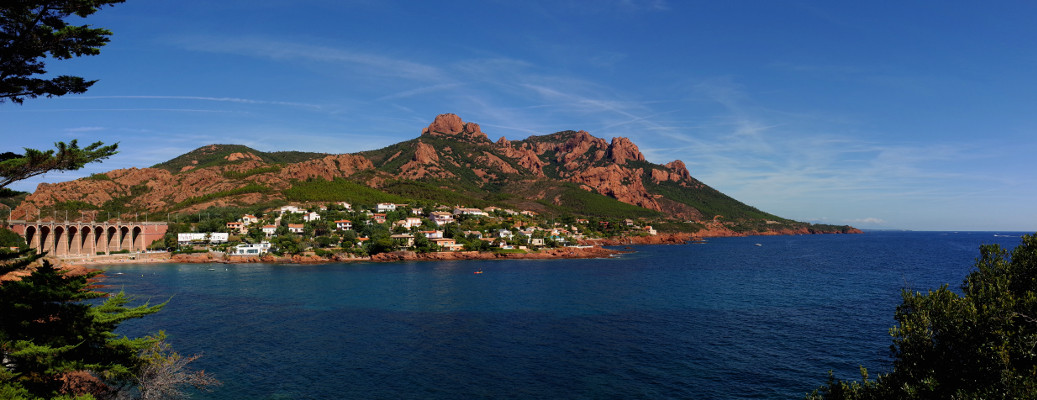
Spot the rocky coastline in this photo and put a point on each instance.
(589, 248)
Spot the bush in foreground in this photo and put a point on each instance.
(979, 345)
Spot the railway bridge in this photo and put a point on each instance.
(71, 238)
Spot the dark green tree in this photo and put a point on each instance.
(48, 332)
(978, 345)
(34, 162)
(34, 30)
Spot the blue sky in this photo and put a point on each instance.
(913, 115)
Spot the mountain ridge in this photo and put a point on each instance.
(452, 161)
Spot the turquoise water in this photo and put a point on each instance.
(726, 319)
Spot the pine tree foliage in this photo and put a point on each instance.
(67, 157)
(49, 330)
(978, 345)
(34, 30)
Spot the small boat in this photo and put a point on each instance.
(478, 272)
(758, 244)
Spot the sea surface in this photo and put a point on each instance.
(734, 318)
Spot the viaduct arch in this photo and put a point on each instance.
(88, 238)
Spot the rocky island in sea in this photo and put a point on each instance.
(450, 193)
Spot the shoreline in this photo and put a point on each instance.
(396, 256)
(589, 248)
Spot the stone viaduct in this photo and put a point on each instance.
(88, 238)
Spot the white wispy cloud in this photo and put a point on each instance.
(868, 221)
(83, 129)
(206, 98)
(419, 91)
(371, 63)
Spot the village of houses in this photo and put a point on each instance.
(387, 227)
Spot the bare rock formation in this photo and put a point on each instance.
(452, 125)
(622, 149)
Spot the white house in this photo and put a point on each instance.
(385, 207)
(433, 234)
(409, 222)
(250, 249)
(343, 224)
(504, 234)
(290, 209)
(441, 217)
(249, 219)
(295, 228)
(269, 230)
(345, 205)
(469, 211)
(310, 216)
(214, 237)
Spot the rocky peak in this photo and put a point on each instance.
(503, 142)
(425, 154)
(241, 156)
(622, 149)
(451, 125)
(678, 167)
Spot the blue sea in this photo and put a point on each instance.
(728, 319)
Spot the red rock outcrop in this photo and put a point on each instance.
(623, 184)
(452, 125)
(424, 163)
(622, 149)
(153, 189)
(327, 168)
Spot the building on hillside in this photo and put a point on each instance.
(433, 234)
(378, 218)
(343, 224)
(448, 244)
(310, 216)
(403, 240)
(249, 219)
(504, 234)
(194, 237)
(296, 228)
(246, 249)
(385, 207)
(469, 233)
(441, 217)
(650, 230)
(469, 211)
(345, 205)
(416, 211)
(269, 230)
(409, 222)
(529, 213)
(290, 209)
(237, 227)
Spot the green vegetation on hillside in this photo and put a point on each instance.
(427, 191)
(577, 201)
(11, 198)
(250, 188)
(338, 190)
(251, 172)
(215, 155)
(710, 202)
